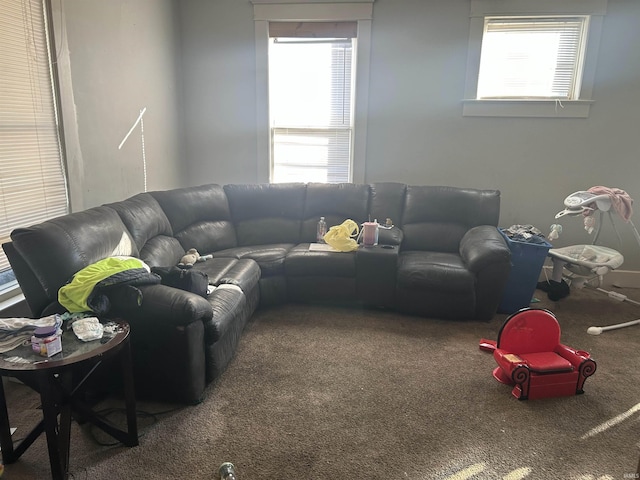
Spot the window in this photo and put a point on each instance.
(532, 60)
(312, 119)
(310, 103)
(32, 180)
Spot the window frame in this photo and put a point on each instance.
(265, 11)
(549, 108)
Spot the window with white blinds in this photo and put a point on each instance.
(527, 58)
(32, 177)
(311, 101)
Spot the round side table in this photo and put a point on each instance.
(55, 379)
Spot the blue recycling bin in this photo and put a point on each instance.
(527, 260)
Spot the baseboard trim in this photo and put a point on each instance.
(617, 278)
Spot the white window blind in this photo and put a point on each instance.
(32, 180)
(532, 57)
(310, 101)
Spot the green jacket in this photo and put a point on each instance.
(88, 289)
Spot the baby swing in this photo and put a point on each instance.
(587, 264)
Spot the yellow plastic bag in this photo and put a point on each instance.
(341, 237)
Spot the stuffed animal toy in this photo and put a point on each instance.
(191, 257)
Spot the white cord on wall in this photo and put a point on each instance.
(144, 158)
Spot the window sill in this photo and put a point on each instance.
(10, 294)
(526, 108)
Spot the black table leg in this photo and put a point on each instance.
(6, 443)
(129, 395)
(64, 427)
(58, 451)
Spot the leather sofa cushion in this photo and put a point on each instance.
(199, 217)
(242, 273)
(234, 279)
(162, 251)
(436, 218)
(184, 206)
(302, 262)
(270, 258)
(143, 217)
(56, 249)
(245, 273)
(334, 202)
(433, 271)
(439, 237)
(207, 236)
(266, 213)
(216, 268)
(266, 231)
(226, 303)
(248, 202)
(387, 201)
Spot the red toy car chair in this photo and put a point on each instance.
(531, 358)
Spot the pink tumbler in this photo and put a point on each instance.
(370, 234)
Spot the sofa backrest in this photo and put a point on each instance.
(56, 249)
(436, 218)
(336, 203)
(266, 214)
(199, 217)
(150, 228)
(387, 201)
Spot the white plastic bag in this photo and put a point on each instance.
(88, 329)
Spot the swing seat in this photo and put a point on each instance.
(588, 260)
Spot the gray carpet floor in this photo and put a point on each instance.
(326, 392)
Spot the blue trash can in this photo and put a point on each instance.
(527, 260)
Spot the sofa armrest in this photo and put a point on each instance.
(515, 368)
(508, 361)
(171, 306)
(482, 246)
(390, 236)
(487, 255)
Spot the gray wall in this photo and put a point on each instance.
(218, 59)
(125, 55)
(117, 57)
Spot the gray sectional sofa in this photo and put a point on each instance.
(444, 258)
